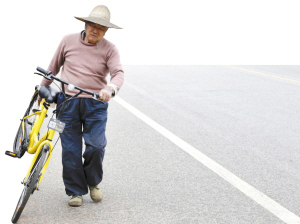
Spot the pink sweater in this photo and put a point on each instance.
(86, 66)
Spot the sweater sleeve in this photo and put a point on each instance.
(115, 67)
(56, 62)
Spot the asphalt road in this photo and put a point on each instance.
(245, 120)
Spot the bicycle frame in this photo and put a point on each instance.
(36, 145)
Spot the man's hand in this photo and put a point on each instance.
(39, 100)
(105, 94)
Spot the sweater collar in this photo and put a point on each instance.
(82, 36)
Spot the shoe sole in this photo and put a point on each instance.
(75, 205)
(97, 199)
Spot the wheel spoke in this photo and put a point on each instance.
(30, 184)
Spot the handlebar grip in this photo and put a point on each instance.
(43, 71)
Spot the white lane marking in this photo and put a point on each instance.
(262, 199)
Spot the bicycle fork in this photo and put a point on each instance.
(45, 145)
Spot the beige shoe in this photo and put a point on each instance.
(96, 193)
(76, 201)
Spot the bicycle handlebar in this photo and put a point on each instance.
(48, 75)
(43, 71)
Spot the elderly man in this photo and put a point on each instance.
(86, 59)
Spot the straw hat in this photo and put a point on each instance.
(99, 15)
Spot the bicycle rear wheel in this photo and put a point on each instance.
(21, 141)
(18, 141)
(31, 183)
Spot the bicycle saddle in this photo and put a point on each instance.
(50, 94)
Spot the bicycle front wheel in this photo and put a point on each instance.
(31, 183)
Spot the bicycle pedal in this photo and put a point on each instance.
(8, 153)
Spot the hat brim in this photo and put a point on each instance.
(99, 21)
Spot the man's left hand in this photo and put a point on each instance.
(105, 94)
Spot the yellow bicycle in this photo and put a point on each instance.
(27, 138)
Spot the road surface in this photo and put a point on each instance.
(242, 123)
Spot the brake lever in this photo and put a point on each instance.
(46, 77)
(95, 98)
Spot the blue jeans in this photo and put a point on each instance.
(84, 117)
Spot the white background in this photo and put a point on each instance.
(190, 32)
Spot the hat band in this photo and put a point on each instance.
(97, 15)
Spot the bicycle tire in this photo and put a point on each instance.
(21, 141)
(18, 140)
(31, 182)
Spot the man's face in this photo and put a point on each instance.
(94, 32)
